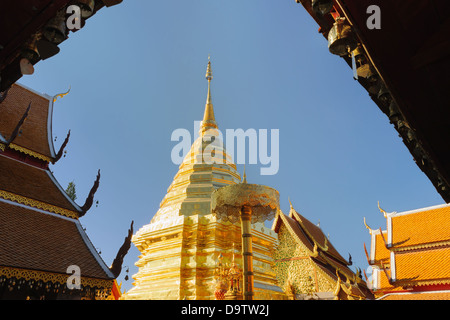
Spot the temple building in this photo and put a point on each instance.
(44, 251)
(307, 265)
(398, 52)
(33, 31)
(410, 257)
(181, 245)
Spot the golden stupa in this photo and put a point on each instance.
(181, 246)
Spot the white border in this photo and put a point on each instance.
(439, 206)
(389, 231)
(393, 270)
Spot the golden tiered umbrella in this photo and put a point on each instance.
(249, 203)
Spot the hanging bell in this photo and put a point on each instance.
(110, 3)
(384, 95)
(358, 53)
(31, 51)
(394, 113)
(362, 67)
(25, 66)
(322, 7)
(341, 40)
(46, 48)
(55, 30)
(87, 7)
(365, 70)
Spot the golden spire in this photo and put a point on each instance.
(209, 120)
(245, 176)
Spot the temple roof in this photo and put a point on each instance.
(414, 250)
(409, 60)
(38, 240)
(423, 265)
(28, 24)
(421, 227)
(308, 234)
(379, 252)
(40, 232)
(322, 253)
(35, 136)
(316, 235)
(35, 186)
(438, 295)
(312, 237)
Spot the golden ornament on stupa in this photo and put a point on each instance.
(248, 203)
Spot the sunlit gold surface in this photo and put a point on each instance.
(180, 246)
(228, 201)
(248, 203)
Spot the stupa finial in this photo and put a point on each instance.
(209, 120)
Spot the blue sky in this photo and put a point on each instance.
(137, 73)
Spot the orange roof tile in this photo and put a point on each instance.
(423, 266)
(421, 227)
(381, 253)
(383, 281)
(440, 295)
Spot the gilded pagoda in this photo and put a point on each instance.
(308, 266)
(409, 259)
(181, 246)
(44, 251)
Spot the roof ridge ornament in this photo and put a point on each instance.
(61, 149)
(381, 210)
(315, 252)
(367, 227)
(60, 95)
(116, 266)
(290, 204)
(367, 254)
(17, 130)
(90, 198)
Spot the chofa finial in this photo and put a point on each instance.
(60, 95)
(381, 210)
